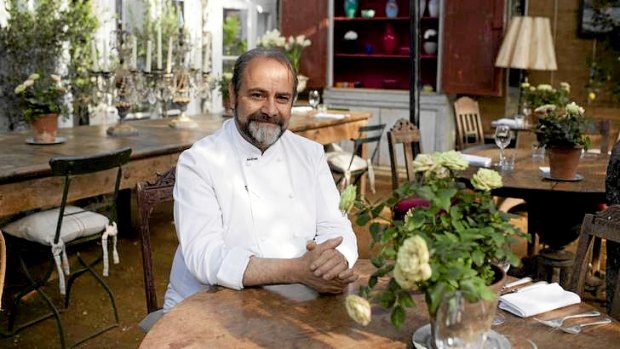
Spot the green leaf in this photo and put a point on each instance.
(398, 316)
(387, 299)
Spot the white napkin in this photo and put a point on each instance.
(478, 161)
(301, 109)
(330, 116)
(544, 171)
(538, 298)
(510, 122)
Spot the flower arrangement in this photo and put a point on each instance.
(293, 46)
(562, 127)
(533, 97)
(446, 243)
(40, 95)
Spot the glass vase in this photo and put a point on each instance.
(350, 8)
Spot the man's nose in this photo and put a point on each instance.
(269, 106)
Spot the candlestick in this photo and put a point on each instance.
(134, 52)
(93, 53)
(159, 47)
(106, 62)
(169, 59)
(206, 57)
(149, 48)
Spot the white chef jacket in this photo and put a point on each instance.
(232, 202)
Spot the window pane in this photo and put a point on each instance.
(234, 32)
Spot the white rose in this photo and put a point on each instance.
(573, 109)
(545, 108)
(422, 163)
(451, 160)
(486, 179)
(412, 262)
(28, 83)
(565, 86)
(545, 87)
(347, 198)
(34, 76)
(358, 309)
(20, 88)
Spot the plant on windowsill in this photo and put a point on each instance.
(448, 242)
(221, 84)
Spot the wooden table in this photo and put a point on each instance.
(560, 204)
(25, 181)
(292, 316)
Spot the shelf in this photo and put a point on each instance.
(371, 19)
(426, 56)
(374, 55)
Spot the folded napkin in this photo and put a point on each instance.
(536, 299)
(478, 161)
(510, 122)
(330, 116)
(544, 171)
(301, 109)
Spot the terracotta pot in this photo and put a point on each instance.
(563, 162)
(44, 128)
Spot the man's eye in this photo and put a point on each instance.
(283, 99)
(256, 95)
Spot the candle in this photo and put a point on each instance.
(159, 47)
(149, 48)
(105, 56)
(196, 58)
(169, 59)
(206, 57)
(93, 53)
(134, 53)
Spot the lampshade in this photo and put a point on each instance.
(527, 45)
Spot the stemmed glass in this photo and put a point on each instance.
(502, 139)
(314, 98)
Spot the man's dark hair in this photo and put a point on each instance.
(242, 63)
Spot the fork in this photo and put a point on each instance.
(577, 328)
(557, 322)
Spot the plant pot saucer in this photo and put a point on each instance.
(422, 339)
(577, 178)
(57, 140)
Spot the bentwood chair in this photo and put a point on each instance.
(149, 195)
(602, 225)
(350, 167)
(59, 232)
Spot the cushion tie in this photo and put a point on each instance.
(59, 251)
(111, 231)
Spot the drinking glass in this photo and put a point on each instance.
(502, 139)
(460, 324)
(314, 98)
(499, 318)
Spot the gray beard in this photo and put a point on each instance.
(264, 134)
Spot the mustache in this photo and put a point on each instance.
(263, 117)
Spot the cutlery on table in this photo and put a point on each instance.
(577, 328)
(557, 322)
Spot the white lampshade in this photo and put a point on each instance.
(527, 45)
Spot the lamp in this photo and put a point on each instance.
(528, 44)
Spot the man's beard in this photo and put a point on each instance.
(262, 131)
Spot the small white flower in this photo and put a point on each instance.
(34, 76)
(486, 179)
(358, 309)
(545, 87)
(545, 108)
(451, 160)
(573, 109)
(423, 163)
(565, 86)
(28, 83)
(55, 77)
(20, 88)
(412, 262)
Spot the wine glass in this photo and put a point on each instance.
(314, 98)
(502, 139)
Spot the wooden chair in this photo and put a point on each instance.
(350, 167)
(469, 130)
(602, 225)
(2, 265)
(149, 194)
(65, 229)
(407, 135)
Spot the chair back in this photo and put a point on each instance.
(604, 224)
(367, 134)
(71, 166)
(2, 265)
(406, 135)
(600, 130)
(149, 194)
(469, 130)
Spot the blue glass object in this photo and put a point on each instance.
(391, 8)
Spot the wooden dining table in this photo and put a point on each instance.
(554, 207)
(294, 316)
(26, 182)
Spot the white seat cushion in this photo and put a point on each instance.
(41, 226)
(339, 160)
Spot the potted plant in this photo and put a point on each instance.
(561, 131)
(448, 242)
(292, 46)
(40, 99)
(221, 84)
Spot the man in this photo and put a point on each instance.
(255, 204)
